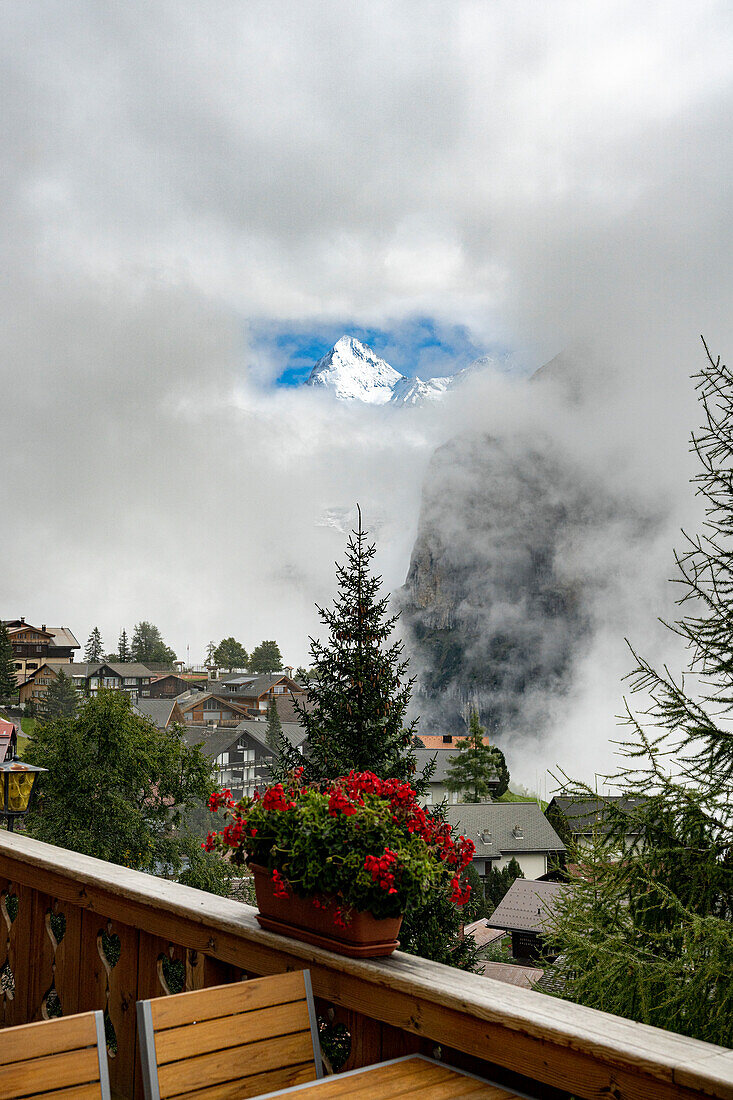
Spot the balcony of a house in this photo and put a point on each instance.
(77, 933)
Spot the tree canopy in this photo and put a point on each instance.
(647, 931)
(148, 646)
(230, 654)
(123, 648)
(116, 786)
(265, 657)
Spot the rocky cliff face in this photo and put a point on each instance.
(492, 615)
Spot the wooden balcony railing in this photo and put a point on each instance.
(77, 933)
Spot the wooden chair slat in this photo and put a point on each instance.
(415, 1074)
(212, 1069)
(75, 1092)
(38, 1075)
(254, 1086)
(223, 1000)
(209, 1035)
(47, 1037)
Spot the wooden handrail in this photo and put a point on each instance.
(590, 1054)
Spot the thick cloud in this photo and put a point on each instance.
(177, 175)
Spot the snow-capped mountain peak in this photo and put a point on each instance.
(353, 372)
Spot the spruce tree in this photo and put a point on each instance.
(357, 698)
(473, 769)
(647, 931)
(123, 648)
(95, 647)
(62, 698)
(274, 730)
(8, 678)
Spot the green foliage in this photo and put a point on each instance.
(502, 771)
(8, 679)
(203, 870)
(116, 785)
(274, 729)
(94, 650)
(358, 699)
(647, 932)
(265, 657)
(230, 654)
(211, 655)
(148, 646)
(498, 881)
(366, 843)
(123, 648)
(62, 698)
(434, 930)
(473, 769)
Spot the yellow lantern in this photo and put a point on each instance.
(17, 787)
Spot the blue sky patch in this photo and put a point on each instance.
(418, 345)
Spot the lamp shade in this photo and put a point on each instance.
(17, 784)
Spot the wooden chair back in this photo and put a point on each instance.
(230, 1041)
(54, 1059)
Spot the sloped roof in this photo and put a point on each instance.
(502, 820)
(588, 815)
(81, 668)
(62, 636)
(294, 732)
(192, 699)
(127, 668)
(214, 740)
(159, 710)
(526, 977)
(527, 905)
(7, 729)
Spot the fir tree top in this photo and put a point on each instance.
(356, 694)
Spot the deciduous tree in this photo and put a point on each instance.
(266, 657)
(230, 654)
(116, 786)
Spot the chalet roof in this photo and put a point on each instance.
(62, 636)
(193, 698)
(159, 710)
(213, 740)
(526, 977)
(127, 668)
(14, 625)
(504, 828)
(588, 815)
(294, 732)
(81, 668)
(258, 685)
(527, 905)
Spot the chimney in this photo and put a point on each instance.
(517, 832)
(22, 619)
(43, 626)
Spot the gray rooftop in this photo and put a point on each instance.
(294, 732)
(590, 815)
(159, 710)
(502, 828)
(527, 906)
(443, 758)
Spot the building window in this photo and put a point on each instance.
(279, 689)
(131, 680)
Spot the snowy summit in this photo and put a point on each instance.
(353, 372)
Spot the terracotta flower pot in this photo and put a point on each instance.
(364, 937)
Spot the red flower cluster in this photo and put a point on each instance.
(276, 799)
(221, 798)
(338, 803)
(382, 870)
(280, 885)
(210, 843)
(458, 895)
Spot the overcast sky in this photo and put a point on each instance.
(197, 196)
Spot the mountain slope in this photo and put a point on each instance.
(355, 373)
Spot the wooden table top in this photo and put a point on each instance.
(408, 1077)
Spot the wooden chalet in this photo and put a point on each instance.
(205, 708)
(34, 646)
